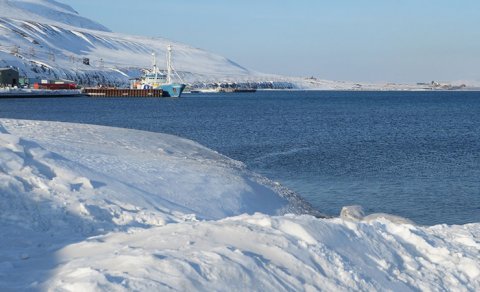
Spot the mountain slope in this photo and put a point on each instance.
(44, 38)
(46, 11)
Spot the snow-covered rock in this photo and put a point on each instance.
(86, 207)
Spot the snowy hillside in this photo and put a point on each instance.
(46, 12)
(88, 208)
(47, 39)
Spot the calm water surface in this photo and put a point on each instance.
(407, 153)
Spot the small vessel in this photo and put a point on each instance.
(235, 90)
(225, 90)
(205, 90)
(159, 80)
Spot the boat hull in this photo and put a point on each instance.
(172, 90)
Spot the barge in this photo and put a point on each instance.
(121, 92)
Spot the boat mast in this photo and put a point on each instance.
(155, 66)
(169, 64)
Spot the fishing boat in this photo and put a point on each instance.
(159, 80)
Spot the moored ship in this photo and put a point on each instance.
(159, 80)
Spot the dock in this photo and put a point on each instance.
(40, 93)
(120, 92)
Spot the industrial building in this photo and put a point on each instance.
(8, 77)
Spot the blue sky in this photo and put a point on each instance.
(362, 40)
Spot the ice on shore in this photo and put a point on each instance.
(86, 207)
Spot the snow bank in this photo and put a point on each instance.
(86, 207)
(151, 171)
(262, 253)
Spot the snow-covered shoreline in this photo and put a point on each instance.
(86, 207)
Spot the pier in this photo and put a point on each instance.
(119, 92)
(40, 93)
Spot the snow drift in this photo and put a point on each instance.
(86, 207)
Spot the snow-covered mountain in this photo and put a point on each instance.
(47, 12)
(45, 38)
(49, 39)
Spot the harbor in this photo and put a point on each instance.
(154, 83)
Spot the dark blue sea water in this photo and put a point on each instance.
(413, 154)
